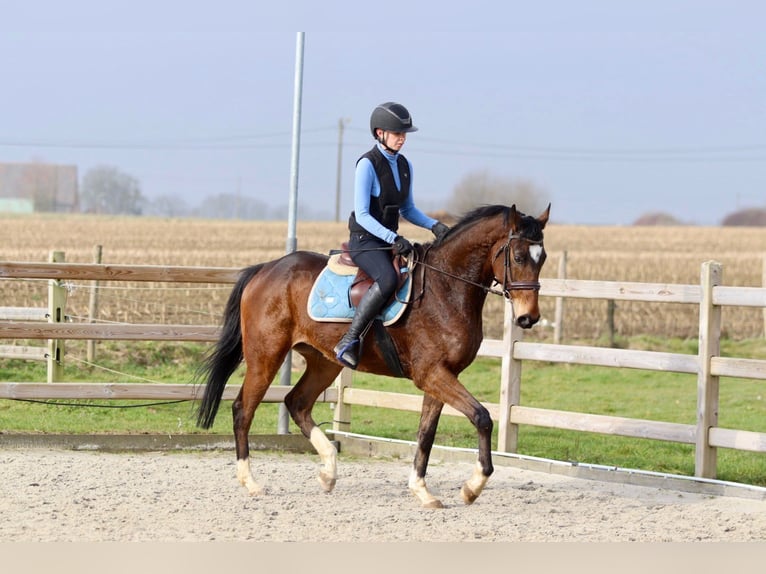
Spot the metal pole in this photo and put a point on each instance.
(341, 125)
(292, 242)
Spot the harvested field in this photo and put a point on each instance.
(642, 254)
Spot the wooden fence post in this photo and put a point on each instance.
(558, 316)
(705, 456)
(610, 308)
(56, 304)
(341, 418)
(510, 384)
(93, 305)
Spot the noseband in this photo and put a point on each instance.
(508, 283)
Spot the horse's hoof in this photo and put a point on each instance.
(326, 482)
(254, 489)
(468, 495)
(433, 504)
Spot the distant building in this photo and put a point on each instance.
(44, 186)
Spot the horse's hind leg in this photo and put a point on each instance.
(254, 387)
(429, 421)
(300, 401)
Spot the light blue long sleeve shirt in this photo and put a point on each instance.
(366, 186)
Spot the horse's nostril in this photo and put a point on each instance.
(526, 321)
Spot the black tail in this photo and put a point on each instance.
(226, 356)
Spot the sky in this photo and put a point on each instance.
(614, 109)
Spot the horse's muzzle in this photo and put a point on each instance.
(526, 321)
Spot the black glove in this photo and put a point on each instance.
(439, 230)
(401, 246)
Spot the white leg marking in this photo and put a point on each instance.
(246, 479)
(420, 490)
(328, 455)
(474, 485)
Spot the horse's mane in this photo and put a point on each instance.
(530, 227)
(482, 212)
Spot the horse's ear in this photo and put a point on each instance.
(515, 218)
(543, 218)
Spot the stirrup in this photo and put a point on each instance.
(340, 351)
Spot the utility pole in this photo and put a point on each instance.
(341, 124)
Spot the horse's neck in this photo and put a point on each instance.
(469, 258)
(465, 272)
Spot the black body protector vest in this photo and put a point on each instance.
(385, 207)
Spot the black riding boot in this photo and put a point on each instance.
(348, 348)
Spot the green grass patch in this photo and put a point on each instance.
(638, 394)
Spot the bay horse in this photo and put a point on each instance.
(436, 339)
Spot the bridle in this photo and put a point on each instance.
(508, 283)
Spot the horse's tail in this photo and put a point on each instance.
(225, 357)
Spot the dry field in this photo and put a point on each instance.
(642, 254)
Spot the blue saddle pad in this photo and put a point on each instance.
(329, 299)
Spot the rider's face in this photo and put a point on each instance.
(393, 140)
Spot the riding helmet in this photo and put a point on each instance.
(391, 117)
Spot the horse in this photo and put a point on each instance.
(437, 337)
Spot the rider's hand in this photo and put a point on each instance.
(401, 246)
(439, 230)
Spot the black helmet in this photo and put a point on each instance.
(391, 117)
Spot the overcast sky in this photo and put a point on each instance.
(616, 109)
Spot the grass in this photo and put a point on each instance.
(620, 392)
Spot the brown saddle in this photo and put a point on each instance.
(362, 282)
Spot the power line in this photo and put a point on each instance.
(592, 157)
(638, 154)
(220, 142)
(423, 144)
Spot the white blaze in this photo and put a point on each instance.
(535, 251)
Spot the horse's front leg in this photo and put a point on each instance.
(473, 487)
(446, 388)
(429, 421)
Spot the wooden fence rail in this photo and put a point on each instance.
(707, 365)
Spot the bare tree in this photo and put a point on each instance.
(105, 189)
(168, 206)
(232, 206)
(750, 217)
(482, 188)
(657, 218)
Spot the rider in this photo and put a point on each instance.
(382, 191)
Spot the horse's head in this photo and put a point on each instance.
(517, 261)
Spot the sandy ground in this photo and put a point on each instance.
(60, 495)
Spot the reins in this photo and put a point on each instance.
(508, 285)
(458, 277)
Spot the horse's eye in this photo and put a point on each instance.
(518, 258)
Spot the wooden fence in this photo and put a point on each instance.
(710, 296)
(53, 313)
